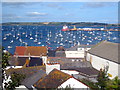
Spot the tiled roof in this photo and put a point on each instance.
(20, 50)
(52, 80)
(107, 50)
(32, 50)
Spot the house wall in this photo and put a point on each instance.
(79, 53)
(70, 72)
(44, 58)
(74, 54)
(50, 67)
(21, 87)
(73, 83)
(99, 63)
(8, 67)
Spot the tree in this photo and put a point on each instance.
(15, 81)
(5, 63)
(113, 84)
(5, 58)
(102, 79)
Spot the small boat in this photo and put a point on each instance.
(9, 46)
(39, 42)
(35, 40)
(11, 41)
(31, 37)
(5, 38)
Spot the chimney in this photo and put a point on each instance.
(51, 66)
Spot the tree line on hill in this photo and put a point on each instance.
(89, 24)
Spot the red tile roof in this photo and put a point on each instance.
(20, 50)
(32, 50)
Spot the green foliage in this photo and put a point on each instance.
(102, 79)
(5, 58)
(105, 83)
(90, 84)
(113, 84)
(15, 81)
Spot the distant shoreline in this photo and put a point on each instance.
(89, 24)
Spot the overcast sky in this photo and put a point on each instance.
(60, 12)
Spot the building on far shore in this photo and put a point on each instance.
(105, 54)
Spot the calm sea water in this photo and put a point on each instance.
(52, 36)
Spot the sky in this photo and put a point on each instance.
(102, 12)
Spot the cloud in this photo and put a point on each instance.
(55, 5)
(15, 4)
(35, 14)
(95, 5)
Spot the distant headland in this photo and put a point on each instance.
(89, 24)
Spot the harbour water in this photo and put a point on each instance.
(52, 36)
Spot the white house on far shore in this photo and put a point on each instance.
(105, 54)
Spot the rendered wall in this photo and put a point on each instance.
(73, 83)
(99, 63)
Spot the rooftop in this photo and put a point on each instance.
(33, 78)
(70, 62)
(107, 50)
(85, 71)
(52, 80)
(28, 71)
(74, 48)
(31, 50)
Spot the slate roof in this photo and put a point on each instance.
(32, 50)
(107, 50)
(61, 48)
(87, 71)
(60, 54)
(74, 48)
(28, 71)
(33, 78)
(35, 61)
(52, 80)
(51, 53)
(20, 61)
(17, 61)
(70, 62)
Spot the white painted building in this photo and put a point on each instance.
(73, 83)
(21, 87)
(76, 51)
(105, 54)
(51, 66)
(70, 72)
